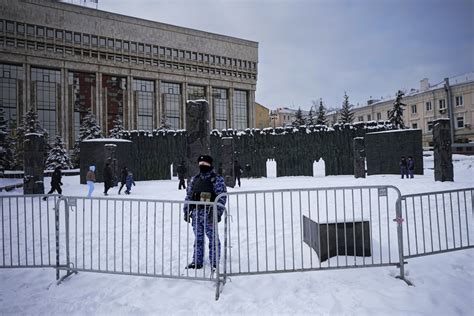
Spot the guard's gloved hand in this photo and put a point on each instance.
(210, 217)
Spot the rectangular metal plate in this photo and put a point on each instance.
(72, 201)
(382, 191)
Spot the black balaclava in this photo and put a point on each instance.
(204, 169)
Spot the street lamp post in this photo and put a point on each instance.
(273, 117)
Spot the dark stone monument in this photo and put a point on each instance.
(384, 149)
(353, 238)
(227, 160)
(33, 159)
(359, 157)
(110, 157)
(443, 157)
(198, 138)
(97, 151)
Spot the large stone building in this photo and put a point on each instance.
(451, 98)
(64, 60)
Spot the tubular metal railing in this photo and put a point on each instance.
(266, 229)
(437, 222)
(27, 231)
(269, 231)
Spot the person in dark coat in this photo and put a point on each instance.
(237, 172)
(205, 187)
(123, 178)
(107, 178)
(56, 182)
(181, 170)
(410, 166)
(403, 167)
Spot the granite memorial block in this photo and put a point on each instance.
(342, 238)
(359, 157)
(442, 151)
(110, 157)
(97, 151)
(33, 162)
(227, 161)
(384, 149)
(198, 134)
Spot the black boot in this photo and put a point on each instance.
(192, 265)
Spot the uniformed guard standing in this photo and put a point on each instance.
(205, 186)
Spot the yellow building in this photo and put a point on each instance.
(262, 116)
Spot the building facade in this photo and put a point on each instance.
(262, 116)
(428, 103)
(65, 60)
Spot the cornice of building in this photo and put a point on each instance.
(139, 21)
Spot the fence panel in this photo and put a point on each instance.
(27, 231)
(265, 229)
(133, 237)
(437, 222)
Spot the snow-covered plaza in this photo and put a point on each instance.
(443, 283)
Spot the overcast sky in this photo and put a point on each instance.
(311, 49)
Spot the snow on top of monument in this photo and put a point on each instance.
(107, 140)
(33, 134)
(198, 100)
(396, 131)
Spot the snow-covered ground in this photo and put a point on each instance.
(443, 283)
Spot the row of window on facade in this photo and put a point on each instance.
(89, 40)
(414, 108)
(46, 95)
(459, 123)
(61, 50)
(458, 101)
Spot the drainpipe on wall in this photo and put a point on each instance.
(449, 104)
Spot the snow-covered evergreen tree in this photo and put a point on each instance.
(347, 116)
(164, 124)
(310, 120)
(30, 124)
(89, 129)
(58, 156)
(299, 119)
(6, 143)
(395, 115)
(117, 130)
(321, 118)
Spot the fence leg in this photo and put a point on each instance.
(401, 258)
(68, 261)
(56, 230)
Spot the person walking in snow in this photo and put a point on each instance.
(181, 170)
(410, 166)
(123, 178)
(403, 167)
(237, 172)
(56, 182)
(90, 178)
(129, 181)
(107, 178)
(205, 186)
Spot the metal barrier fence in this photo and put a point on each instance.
(27, 231)
(132, 237)
(265, 230)
(437, 222)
